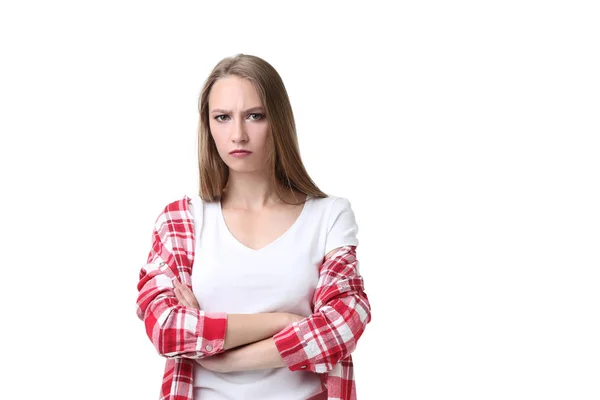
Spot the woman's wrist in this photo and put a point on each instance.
(258, 355)
(290, 319)
(295, 318)
(249, 328)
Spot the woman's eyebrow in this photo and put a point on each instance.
(220, 110)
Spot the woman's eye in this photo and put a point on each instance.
(260, 116)
(256, 117)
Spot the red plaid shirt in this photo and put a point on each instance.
(321, 343)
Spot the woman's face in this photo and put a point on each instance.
(237, 121)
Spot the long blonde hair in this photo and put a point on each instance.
(284, 161)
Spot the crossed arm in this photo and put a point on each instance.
(178, 328)
(249, 341)
(229, 342)
(284, 346)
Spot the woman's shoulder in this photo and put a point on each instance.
(176, 208)
(330, 207)
(332, 200)
(181, 203)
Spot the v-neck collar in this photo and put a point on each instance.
(232, 238)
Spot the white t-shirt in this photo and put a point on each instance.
(230, 277)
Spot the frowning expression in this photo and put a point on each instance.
(237, 120)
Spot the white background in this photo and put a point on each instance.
(464, 133)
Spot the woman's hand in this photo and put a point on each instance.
(294, 318)
(185, 295)
(219, 362)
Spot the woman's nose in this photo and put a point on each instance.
(239, 130)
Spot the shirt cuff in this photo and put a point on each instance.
(291, 349)
(211, 335)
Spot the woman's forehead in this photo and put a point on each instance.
(234, 93)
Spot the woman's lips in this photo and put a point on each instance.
(241, 153)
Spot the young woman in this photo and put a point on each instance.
(252, 289)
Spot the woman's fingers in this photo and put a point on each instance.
(189, 296)
(180, 297)
(185, 295)
(178, 293)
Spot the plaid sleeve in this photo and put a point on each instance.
(175, 331)
(342, 311)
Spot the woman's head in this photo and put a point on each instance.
(244, 105)
(237, 120)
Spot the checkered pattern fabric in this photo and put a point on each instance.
(321, 343)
